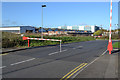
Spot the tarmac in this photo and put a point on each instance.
(105, 67)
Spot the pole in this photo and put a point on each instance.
(42, 25)
(60, 46)
(110, 48)
(28, 43)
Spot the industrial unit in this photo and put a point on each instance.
(18, 29)
(84, 28)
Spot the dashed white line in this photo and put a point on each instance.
(22, 62)
(78, 47)
(57, 52)
(53, 53)
(2, 67)
(64, 50)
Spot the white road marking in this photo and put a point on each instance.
(104, 52)
(78, 47)
(66, 45)
(57, 52)
(115, 49)
(53, 53)
(87, 65)
(2, 67)
(22, 61)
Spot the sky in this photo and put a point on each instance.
(59, 14)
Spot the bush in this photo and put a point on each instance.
(15, 40)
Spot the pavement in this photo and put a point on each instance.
(106, 66)
(77, 60)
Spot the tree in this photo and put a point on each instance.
(97, 33)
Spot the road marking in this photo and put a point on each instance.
(104, 52)
(78, 47)
(3, 54)
(57, 52)
(64, 45)
(87, 65)
(53, 53)
(115, 49)
(76, 71)
(64, 50)
(2, 67)
(22, 61)
(73, 71)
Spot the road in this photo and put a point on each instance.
(48, 62)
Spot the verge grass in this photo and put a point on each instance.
(15, 40)
(116, 45)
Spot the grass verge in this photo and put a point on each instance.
(116, 45)
(15, 40)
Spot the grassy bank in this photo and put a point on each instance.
(114, 37)
(15, 40)
(116, 45)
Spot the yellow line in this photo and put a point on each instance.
(72, 71)
(3, 54)
(76, 71)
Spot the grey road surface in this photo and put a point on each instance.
(48, 62)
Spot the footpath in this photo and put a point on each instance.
(104, 68)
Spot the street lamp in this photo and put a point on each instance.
(42, 22)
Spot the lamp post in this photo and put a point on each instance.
(42, 22)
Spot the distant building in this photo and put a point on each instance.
(18, 29)
(82, 28)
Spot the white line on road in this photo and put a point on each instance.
(2, 67)
(78, 47)
(87, 65)
(104, 52)
(115, 49)
(53, 53)
(66, 45)
(57, 52)
(22, 61)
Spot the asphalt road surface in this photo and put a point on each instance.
(48, 62)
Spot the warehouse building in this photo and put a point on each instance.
(82, 28)
(18, 29)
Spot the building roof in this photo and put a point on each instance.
(17, 26)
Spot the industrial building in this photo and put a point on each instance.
(18, 29)
(82, 28)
